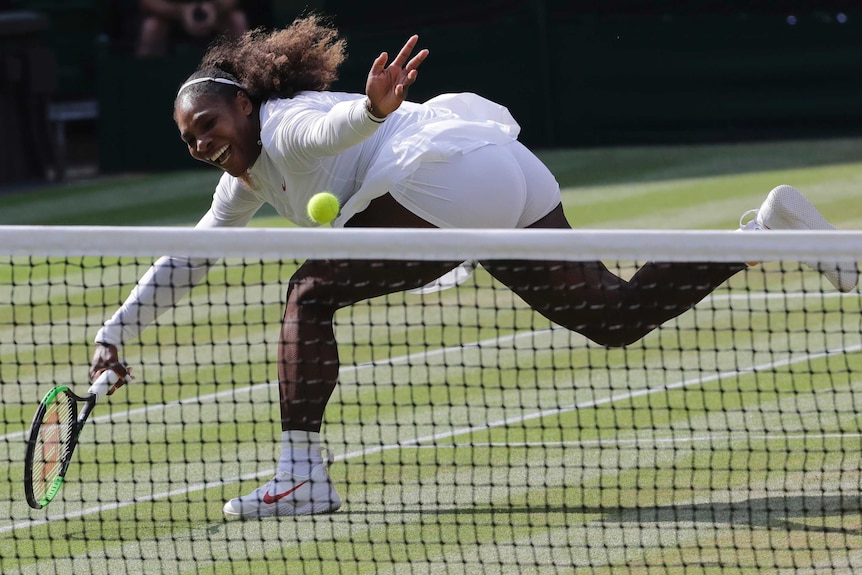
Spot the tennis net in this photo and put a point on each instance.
(469, 432)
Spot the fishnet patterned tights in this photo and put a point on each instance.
(582, 296)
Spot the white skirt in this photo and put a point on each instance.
(463, 169)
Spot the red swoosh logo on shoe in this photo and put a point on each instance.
(270, 499)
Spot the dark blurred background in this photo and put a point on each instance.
(77, 100)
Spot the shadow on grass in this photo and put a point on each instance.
(177, 529)
(798, 513)
(789, 513)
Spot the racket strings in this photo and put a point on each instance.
(52, 443)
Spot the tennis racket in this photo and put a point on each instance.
(54, 436)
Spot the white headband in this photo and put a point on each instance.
(209, 79)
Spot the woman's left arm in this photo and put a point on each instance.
(317, 134)
(311, 133)
(387, 86)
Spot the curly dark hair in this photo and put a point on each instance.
(275, 64)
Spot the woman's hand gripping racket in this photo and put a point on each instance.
(54, 436)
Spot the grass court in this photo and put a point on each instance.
(470, 435)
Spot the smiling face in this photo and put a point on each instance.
(219, 130)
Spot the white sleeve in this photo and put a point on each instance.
(315, 134)
(159, 289)
(170, 278)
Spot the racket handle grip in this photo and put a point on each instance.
(103, 383)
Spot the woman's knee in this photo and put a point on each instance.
(616, 337)
(313, 285)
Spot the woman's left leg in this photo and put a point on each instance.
(586, 297)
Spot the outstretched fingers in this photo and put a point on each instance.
(416, 61)
(408, 66)
(388, 81)
(404, 55)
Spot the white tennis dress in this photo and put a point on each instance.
(454, 161)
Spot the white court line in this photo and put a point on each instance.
(201, 399)
(610, 399)
(232, 392)
(399, 361)
(638, 441)
(443, 435)
(344, 370)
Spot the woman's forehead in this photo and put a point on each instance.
(196, 101)
(191, 105)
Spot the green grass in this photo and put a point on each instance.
(726, 442)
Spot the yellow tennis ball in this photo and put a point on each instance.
(323, 207)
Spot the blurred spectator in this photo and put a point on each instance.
(165, 21)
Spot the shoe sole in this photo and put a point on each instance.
(284, 511)
(795, 212)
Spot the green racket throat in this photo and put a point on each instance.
(52, 492)
(52, 393)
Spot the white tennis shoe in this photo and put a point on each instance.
(287, 494)
(785, 208)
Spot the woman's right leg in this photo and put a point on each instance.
(308, 362)
(308, 353)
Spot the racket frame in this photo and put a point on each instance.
(97, 391)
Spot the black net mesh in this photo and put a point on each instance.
(468, 432)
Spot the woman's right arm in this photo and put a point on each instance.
(167, 281)
(159, 289)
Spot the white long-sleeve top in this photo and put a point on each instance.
(313, 142)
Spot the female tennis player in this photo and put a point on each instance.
(258, 109)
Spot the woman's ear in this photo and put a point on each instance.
(244, 103)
